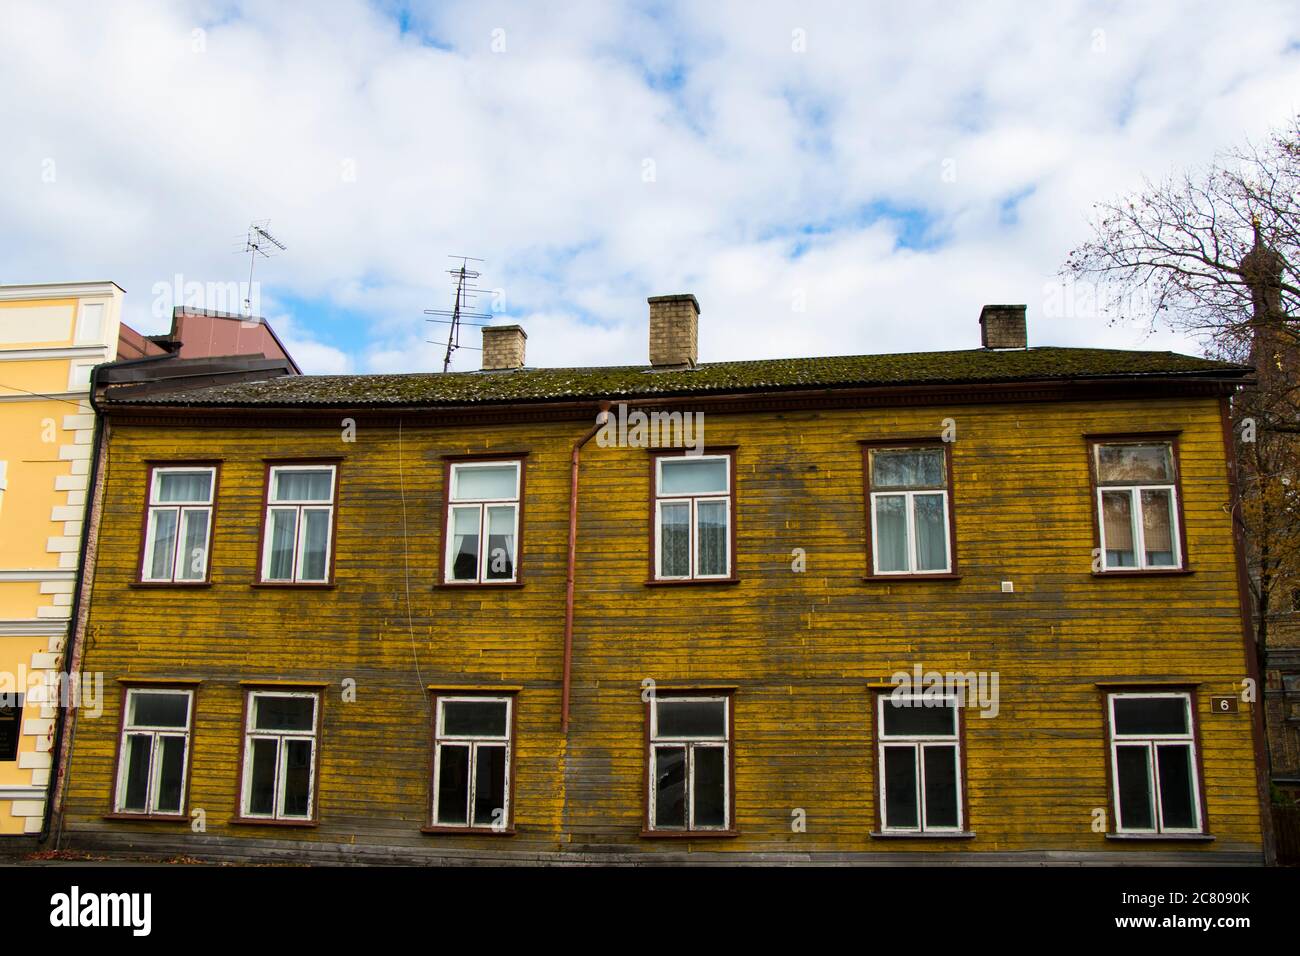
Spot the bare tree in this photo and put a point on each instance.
(1215, 254)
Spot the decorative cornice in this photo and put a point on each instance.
(34, 627)
(57, 290)
(69, 352)
(37, 574)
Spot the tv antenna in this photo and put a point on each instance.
(260, 242)
(466, 293)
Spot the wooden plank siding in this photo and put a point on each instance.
(801, 649)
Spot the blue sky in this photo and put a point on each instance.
(826, 178)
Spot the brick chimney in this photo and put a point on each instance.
(503, 346)
(1003, 327)
(674, 330)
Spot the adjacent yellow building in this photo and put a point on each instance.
(51, 337)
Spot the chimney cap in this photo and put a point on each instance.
(675, 297)
(506, 328)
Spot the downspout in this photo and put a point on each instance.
(70, 642)
(601, 418)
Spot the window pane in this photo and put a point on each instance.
(474, 718)
(194, 552)
(1139, 464)
(315, 545)
(931, 533)
(164, 544)
(501, 542)
(674, 539)
(284, 528)
(940, 786)
(891, 533)
(297, 778)
(709, 796)
(136, 796)
(453, 784)
(670, 787)
(712, 516)
(1117, 521)
(484, 481)
(284, 713)
(185, 487)
(923, 717)
(489, 785)
(1151, 715)
(693, 476)
(1177, 802)
(1157, 527)
(261, 795)
(1134, 787)
(907, 468)
(464, 543)
(303, 485)
(691, 718)
(900, 787)
(171, 759)
(159, 710)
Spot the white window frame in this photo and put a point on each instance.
(693, 529)
(1153, 776)
(299, 526)
(1138, 527)
(918, 743)
(473, 741)
(181, 509)
(281, 756)
(690, 742)
(85, 310)
(482, 504)
(155, 765)
(913, 544)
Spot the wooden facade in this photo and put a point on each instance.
(801, 651)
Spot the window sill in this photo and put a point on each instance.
(1164, 837)
(253, 822)
(479, 585)
(295, 585)
(1144, 573)
(909, 835)
(688, 834)
(903, 578)
(149, 817)
(480, 831)
(165, 585)
(656, 583)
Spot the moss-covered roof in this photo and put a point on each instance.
(622, 382)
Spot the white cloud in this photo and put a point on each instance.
(376, 154)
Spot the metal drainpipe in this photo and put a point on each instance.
(69, 642)
(601, 418)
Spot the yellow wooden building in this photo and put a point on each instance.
(51, 336)
(973, 605)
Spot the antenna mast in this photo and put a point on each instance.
(258, 243)
(466, 292)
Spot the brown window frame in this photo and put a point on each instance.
(265, 519)
(1170, 438)
(444, 532)
(1108, 690)
(868, 445)
(129, 687)
(710, 451)
(436, 697)
(249, 689)
(964, 831)
(648, 830)
(152, 467)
